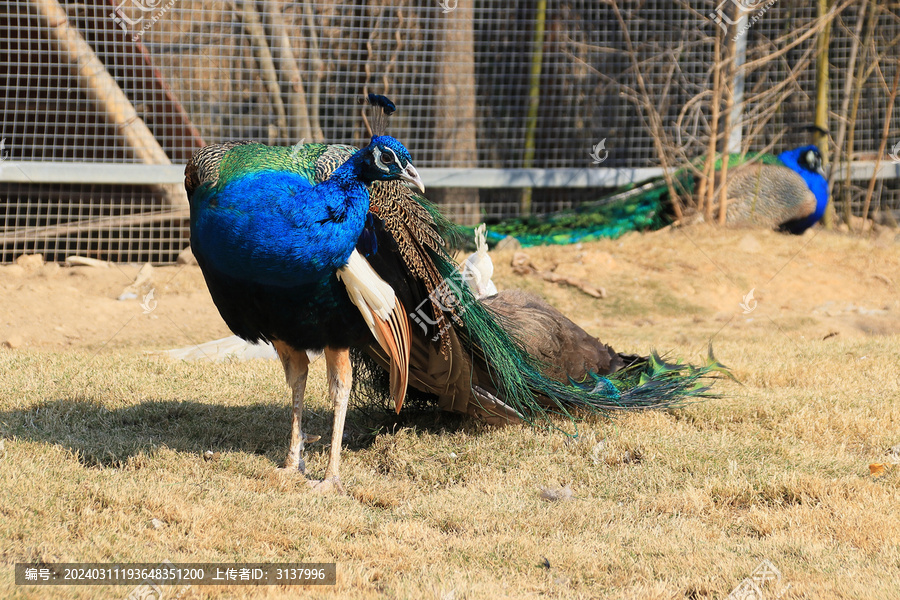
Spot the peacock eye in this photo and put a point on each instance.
(387, 158)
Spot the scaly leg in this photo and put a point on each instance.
(340, 380)
(296, 368)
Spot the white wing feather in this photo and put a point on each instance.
(368, 291)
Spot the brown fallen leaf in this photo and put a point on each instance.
(877, 469)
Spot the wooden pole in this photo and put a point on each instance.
(534, 98)
(315, 57)
(140, 142)
(845, 103)
(729, 82)
(455, 107)
(820, 136)
(862, 74)
(709, 179)
(257, 35)
(300, 128)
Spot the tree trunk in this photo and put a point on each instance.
(455, 110)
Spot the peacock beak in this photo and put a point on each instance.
(410, 175)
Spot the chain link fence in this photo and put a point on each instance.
(96, 85)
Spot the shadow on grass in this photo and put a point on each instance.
(100, 436)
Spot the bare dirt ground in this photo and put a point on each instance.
(833, 283)
(101, 439)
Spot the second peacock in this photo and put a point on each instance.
(787, 192)
(329, 247)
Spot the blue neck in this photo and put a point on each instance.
(817, 184)
(349, 176)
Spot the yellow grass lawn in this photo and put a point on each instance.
(100, 439)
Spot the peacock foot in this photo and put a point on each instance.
(332, 485)
(294, 461)
(292, 468)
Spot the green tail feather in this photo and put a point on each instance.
(635, 207)
(517, 375)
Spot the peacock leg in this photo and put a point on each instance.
(340, 380)
(296, 368)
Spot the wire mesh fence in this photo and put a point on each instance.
(492, 84)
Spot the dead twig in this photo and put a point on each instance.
(862, 75)
(845, 101)
(652, 114)
(85, 225)
(522, 265)
(884, 136)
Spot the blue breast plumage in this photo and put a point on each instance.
(269, 242)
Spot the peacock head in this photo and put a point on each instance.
(807, 158)
(386, 159)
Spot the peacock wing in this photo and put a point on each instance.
(385, 316)
(564, 349)
(416, 231)
(203, 167)
(767, 195)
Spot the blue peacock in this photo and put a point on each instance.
(788, 192)
(332, 247)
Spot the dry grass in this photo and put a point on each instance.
(100, 439)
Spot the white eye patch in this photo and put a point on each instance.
(377, 153)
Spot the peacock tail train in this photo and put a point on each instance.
(516, 376)
(635, 207)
